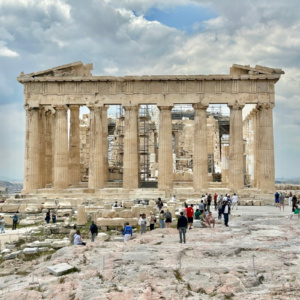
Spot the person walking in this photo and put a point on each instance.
(215, 200)
(94, 231)
(226, 212)
(208, 202)
(15, 221)
(127, 232)
(159, 204)
(234, 201)
(152, 220)
(168, 218)
(182, 225)
(54, 217)
(2, 223)
(162, 219)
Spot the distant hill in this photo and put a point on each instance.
(288, 180)
(12, 186)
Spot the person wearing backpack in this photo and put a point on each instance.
(168, 218)
(152, 220)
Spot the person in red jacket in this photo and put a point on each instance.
(190, 215)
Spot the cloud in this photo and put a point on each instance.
(4, 51)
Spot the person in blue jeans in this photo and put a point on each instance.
(220, 210)
(15, 221)
(162, 219)
(226, 213)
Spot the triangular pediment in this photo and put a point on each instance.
(257, 70)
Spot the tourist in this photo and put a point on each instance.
(94, 231)
(162, 219)
(127, 232)
(234, 201)
(294, 202)
(208, 202)
(197, 214)
(116, 204)
(204, 199)
(54, 217)
(220, 203)
(2, 223)
(277, 199)
(47, 218)
(296, 212)
(210, 220)
(78, 239)
(182, 225)
(226, 212)
(72, 233)
(168, 218)
(290, 199)
(203, 221)
(152, 220)
(15, 221)
(190, 215)
(173, 198)
(143, 224)
(159, 204)
(281, 201)
(201, 207)
(229, 200)
(184, 209)
(215, 200)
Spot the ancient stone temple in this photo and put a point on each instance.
(53, 151)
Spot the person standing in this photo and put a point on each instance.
(162, 219)
(168, 218)
(294, 202)
(276, 199)
(159, 204)
(15, 221)
(234, 201)
(47, 219)
(152, 220)
(190, 215)
(226, 212)
(201, 207)
(143, 223)
(173, 198)
(94, 231)
(290, 199)
(281, 201)
(127, 232)
(182, 225)
(54, 217)
(215, 200)
(2, 223)
(208, 202)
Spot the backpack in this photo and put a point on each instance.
(168, 215)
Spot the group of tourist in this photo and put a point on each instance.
(48, 216)
(293, 201)
(75, 235)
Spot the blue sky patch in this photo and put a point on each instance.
(188, 18)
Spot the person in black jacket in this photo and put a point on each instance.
(182, 225)
(94, 231)
(226, 212)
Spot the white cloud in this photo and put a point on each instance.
(4, 51)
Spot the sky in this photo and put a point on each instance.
(139, 37)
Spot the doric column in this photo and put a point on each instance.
(255, 145)
(61, 155)
(165, 155)
(236, 151)
(74, 146)
(42, 180)
(131, 157)
(31, 161)
(96, 178)
(49, 132)
(225, 167)
(105, 143)
(266, 148)
(200, 164)
(176, 143)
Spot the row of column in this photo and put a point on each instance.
(52, 157)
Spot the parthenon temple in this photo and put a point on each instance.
(169, 134)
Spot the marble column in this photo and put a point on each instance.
(225, 167)
(49, 120)
(165, 155)
(74, 146)
(266, 148)
(200, 160)
(176, 143)
(31, 160)
(236, 151)
(42, 150)
(105, 143)
(96, 177)
(61, 155)
(255, 145)
(131, 142)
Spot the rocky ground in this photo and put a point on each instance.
(257, 257)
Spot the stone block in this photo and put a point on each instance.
(126, 214)
(64, 204)
(11, 255)
(152, 203)
(127, 204)
(28, 251)
(102, 236)
(116, 221)
(8, 220)
(27, 222)
(81, 215)
(61, 269)
(5, 251)
(38, 244)
(59, 230)
(49, 205)
(63, 212)
(108, 213)
(10, 208)
(60, 244)
(108, 205)
(43, 249)
(33, 208)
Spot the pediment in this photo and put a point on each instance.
(257, 70)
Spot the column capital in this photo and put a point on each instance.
(105, 108)
(236, 106)
(164, 107)
(60, 107)
(131, 107)
(74, 106)
(265, 105)
(29, 107)
(200, 106)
